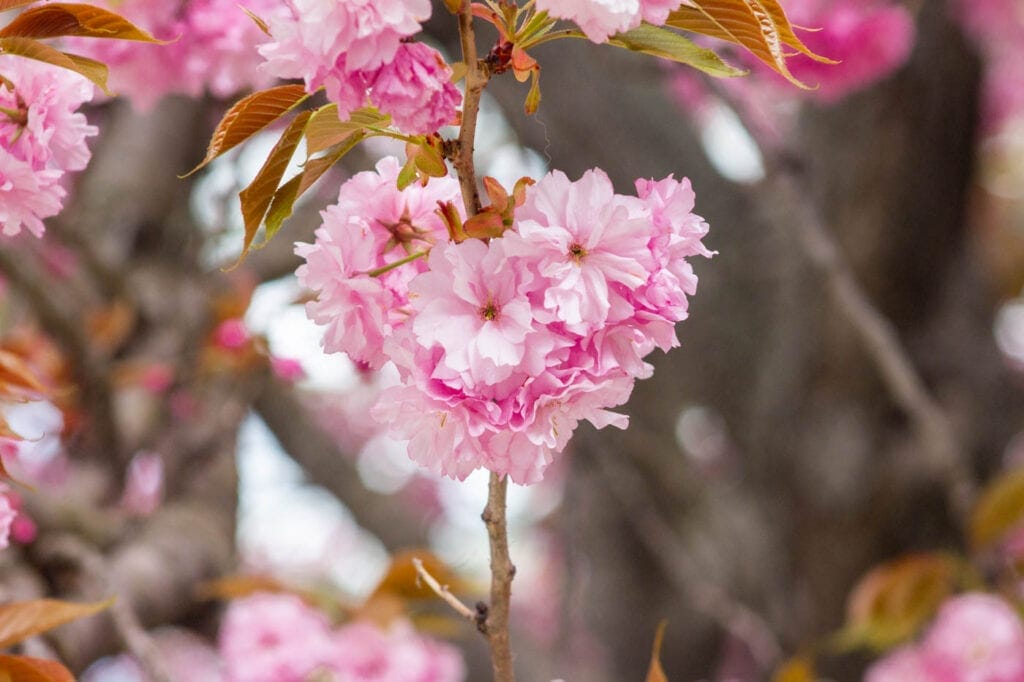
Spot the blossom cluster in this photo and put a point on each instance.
(278, 638)
(600, 19)
(42, 138)
(209, 48)
(975, 638)
(360, 49)
(504, 345)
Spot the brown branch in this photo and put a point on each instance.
(502, 573)
(477, 76)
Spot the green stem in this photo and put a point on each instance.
(397, 264)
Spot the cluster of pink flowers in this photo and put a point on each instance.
(601, 19)
(358, 50)
(42, 138)
(975, 638)
(278, 638)
(210, 48)
(503, 346)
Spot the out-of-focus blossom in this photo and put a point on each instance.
(274, 638)
(39, 456)
(997, 27)
(287, 369)
(600, 19)
(365, 652)
(184, 655)
(231, 334)
(211, 47)
(144, 484)
(7, 516)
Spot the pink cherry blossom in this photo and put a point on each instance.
(416, 89)
(980, 637)
(588, 244)
(373, 226)
(600, 19)
(473, 304)
(340, 44)
(42, 137)
(274, 638)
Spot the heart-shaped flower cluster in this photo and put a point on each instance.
(503, 346)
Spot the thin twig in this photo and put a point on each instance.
(502, 573)
(449, 598)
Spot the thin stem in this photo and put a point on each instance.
(476, 79)
(445, 594)
(502, 573)
(398, 263)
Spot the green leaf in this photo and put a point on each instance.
(287, 194)
(21, 620)
(33, 49)
(250, 115)
(66, 19)
(257, 196)
(25, 669)
(666, 44)
(325, 129)
(893, 601)
(760, 26)
(1000, 510)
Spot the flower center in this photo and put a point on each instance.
(489, 311)
(577, 253)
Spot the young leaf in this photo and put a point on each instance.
(67, 19)
(656, 673)
(257, 196)
(25, 669)
(666, 44)
(402, 580)
(250, 115)
(325, 129)
(893, 601)
(1000, 509)
(239, 586)
(760, 26)
(21, 620)
(33, 49)
(287, 194)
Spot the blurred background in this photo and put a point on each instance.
(850, 376)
